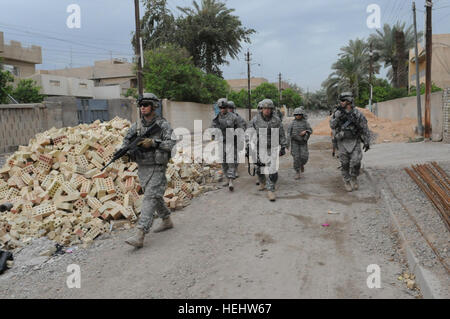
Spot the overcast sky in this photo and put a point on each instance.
(300, 39)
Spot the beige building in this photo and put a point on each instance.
(20, 61)
(115, 72)
(239, 84)
(440, 63)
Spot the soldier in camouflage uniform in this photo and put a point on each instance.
(299, 132)
(151, 155)
(232, 109)
(223, 121)
(351, 128)
(238, 145)
(267, 120)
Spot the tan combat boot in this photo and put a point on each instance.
(137, 240)
(230, 185)
(262, 187)
(165, 225)
(354, 183)
(298, 176)
(271, 196)
(348, 187)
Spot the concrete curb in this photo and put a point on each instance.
(430, 286)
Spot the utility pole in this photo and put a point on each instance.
(138, 51)
(247, 58)
(428, 48)
(370, 75)
(279, 90)
(419, 103)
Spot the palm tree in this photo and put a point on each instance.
(392, 46)
(157, 25)
(351, 70)
(211, 33)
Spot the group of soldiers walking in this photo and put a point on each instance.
(154, 149)
(266, 121)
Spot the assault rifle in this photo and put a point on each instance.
(132, 147)
(257, 164)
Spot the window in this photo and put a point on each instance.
(83, 85)
(11, 69)
(55, 83)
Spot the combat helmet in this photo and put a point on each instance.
(299, 111)
(231, 105)
(346, 96)
(223, 102)
(148, 97)
(259, 106)
(267, 103)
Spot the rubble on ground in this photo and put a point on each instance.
(385, 130)
(58, 190)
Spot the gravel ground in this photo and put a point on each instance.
(423, 211)
(246, 247)
(420, 224)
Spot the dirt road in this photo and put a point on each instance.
(240, 245)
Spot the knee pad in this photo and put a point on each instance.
(356, 168)
(273, 177)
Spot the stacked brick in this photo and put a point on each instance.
(59, 191)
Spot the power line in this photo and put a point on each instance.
(46, 45)
(395, 12)
(83, 37)
(389, 12)
(59, 39)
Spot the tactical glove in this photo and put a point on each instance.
(337, 114)
(366, 147)
(147, 143)
(282, 151)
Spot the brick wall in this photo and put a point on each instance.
(21, 122)
(446, 116)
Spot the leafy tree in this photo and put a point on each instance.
(239, 98)
(5, 87)
(316, 101)
(382, 91)
(170, 73)
(212, 88)
(296, 88)
(264, 91)
(132, 92)
(27, 92)
(391, 46)
(210, 33)
(291, 98)
(351, 70)
(434, 88)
